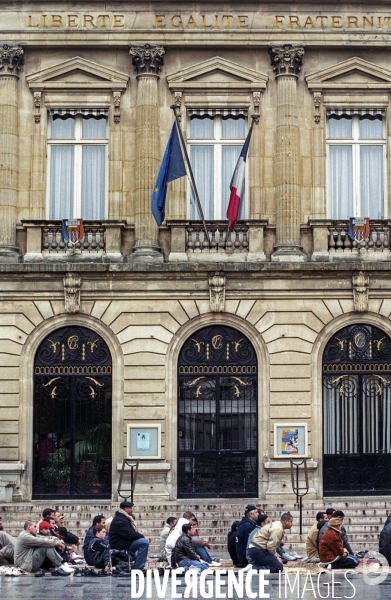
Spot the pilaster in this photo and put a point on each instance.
(147, 60)
(11, 62)
(286, 61)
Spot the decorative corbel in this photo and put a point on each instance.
(317, 103)
(256, 100)
(37, 106)
(360, 291)
(217, 281)
(117, 106)
(72, 283)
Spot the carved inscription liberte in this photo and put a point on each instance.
(210, 21)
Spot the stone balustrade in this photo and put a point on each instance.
(331, 241)
(94, 240)
(219, 238)
(243, 243)
(322, 240)
(101, 242)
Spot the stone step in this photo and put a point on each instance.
(364, 520)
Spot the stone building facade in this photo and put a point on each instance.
(217, 360)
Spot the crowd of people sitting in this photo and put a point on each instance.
(114, 546)
(256, 543)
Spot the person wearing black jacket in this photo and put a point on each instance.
(97, 520)
(231, 543)
(246, 526)
(123, 535)
(183, 554)
(98, 554)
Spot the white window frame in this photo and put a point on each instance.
(356, 142)
(77, 142)
(217, 142)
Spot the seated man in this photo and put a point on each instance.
(231, 543)
(31, 551)
(7, 546)
(263, 547)
(123, 535)
(98, 554)
(168, 527)
(245, 527)
(201, 545)
(311, 546)
(97, 520)
(183, 554)
(331, 548)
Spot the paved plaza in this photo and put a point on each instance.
(88, 588)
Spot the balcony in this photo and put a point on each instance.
(244, 243)
(250, 241)
(331, 242)
(103, 242)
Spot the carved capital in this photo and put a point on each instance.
(11, 59)
(217, 283)
(117, 106)
(147, 58)
(360, 291)
(286, 59)
(72, 283)
(317, 103)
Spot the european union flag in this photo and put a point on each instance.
(172, 167)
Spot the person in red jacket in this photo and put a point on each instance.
(331, 550)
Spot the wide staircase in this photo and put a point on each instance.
(363, 519)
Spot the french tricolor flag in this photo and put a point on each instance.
(237, 183)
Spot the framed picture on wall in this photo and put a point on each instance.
(144, 441)
(290, 440)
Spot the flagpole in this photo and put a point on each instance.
(192, 180)
(255, 119)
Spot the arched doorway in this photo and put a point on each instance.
(357, 412)
(217, 415)
(72, 416)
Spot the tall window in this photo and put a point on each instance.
(215, 139)
(77, 166)
(356, 164)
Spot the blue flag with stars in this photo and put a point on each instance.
(172, 167)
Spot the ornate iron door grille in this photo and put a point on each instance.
(357, 412)
(72, 416)
(217, 416)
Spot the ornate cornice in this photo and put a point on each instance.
(147, 58)
(286, 59)
(11, 59)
